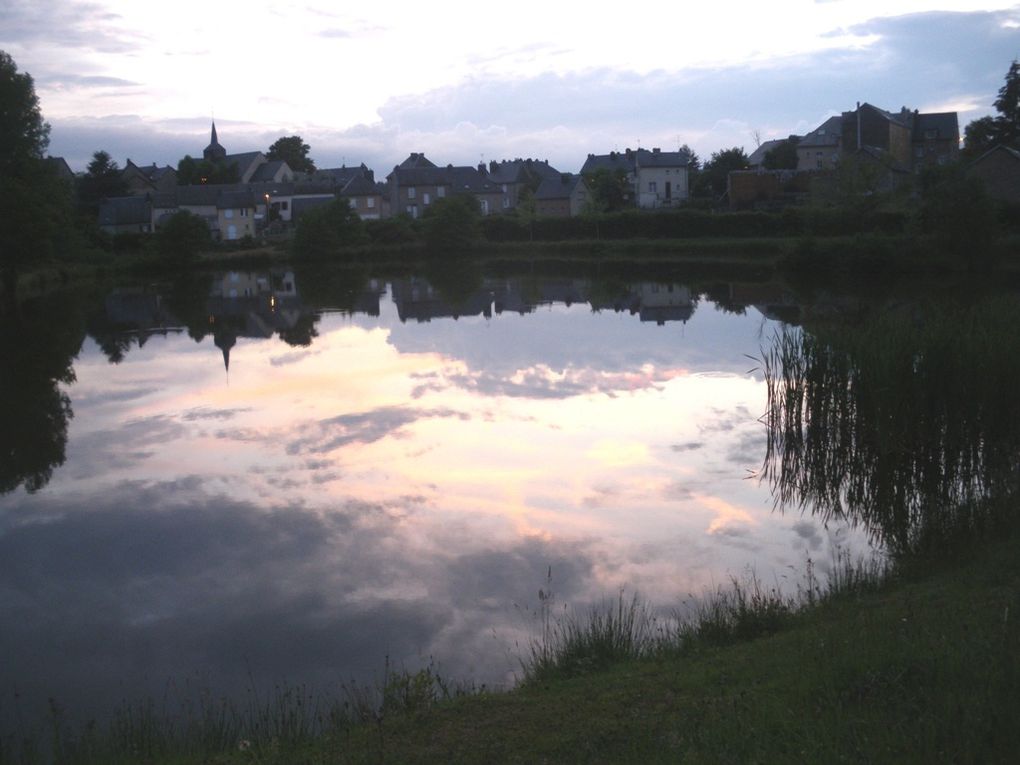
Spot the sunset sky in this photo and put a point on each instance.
(463, 82)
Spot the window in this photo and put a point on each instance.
(228, 214)
(412, 210)
(427, 199)
(506, 202)
(370, 202)
(244, 212)
(485, 207)
(354, 203)
(412, 192)
(441, 191)
(653, 186)
(284, 206)
(931, 133)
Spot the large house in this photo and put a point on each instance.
(417, 183)
(563, 196)
(149, 178)
(658, 178)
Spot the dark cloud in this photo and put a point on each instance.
(106, 598)
(67, 24)
(748, 448)
(206, 413)
(809, 533)
(688, 447)
(360, 428)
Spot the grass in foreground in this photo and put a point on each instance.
(922, 668)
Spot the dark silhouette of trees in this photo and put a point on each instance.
(102, 179)
(783, 156)
(198, 172)
(987, 132)
(293, 151)
(35, 202)
(324, 231)
(714, 174)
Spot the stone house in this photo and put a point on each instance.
(999, 170)
(149, 178)
(417, 183)
(564, 196)
(657, 178)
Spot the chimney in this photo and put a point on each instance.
(656, 151)
(481, 168)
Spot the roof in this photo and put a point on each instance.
(466, 179)
(243, 160)
(122, 211)
(829, 133)
(558, 188)
(1009, 152)
(341, 175)
(626, 161)
(414, 160)
(945, 124)
(360, 186)
(758, 155)
(520, 170)
(235, 200)
(267, 172)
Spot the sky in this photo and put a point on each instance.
(463, 82)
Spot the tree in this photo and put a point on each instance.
(712, 180)
(610, 191)
(182, 237)
(452, 223)
(34, 201)
(693, 160)
(326, 230)
(102, 179)
(783, 156)
(293, 151)
(987, 132)
(1008, 106)
(198, 172)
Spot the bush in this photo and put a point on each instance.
(452, 223)
(183, 236)
(325, 231)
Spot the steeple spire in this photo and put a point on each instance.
(214, 151)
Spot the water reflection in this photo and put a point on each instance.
(907, 423)
(386, 467)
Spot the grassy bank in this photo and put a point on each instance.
(919, 666)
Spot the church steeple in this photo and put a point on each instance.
(214, 151)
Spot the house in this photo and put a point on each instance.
(564, 196)
(999, 169)
(911, 139)
(60, 168)
(416, 183)
(936, 139)
(366, 198)
(148, 179)
(126, 215)
(657, 178)
(819, 149)
(277, 171)
(514, 176)
(228, 210)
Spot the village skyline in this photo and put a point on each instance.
(144, 83)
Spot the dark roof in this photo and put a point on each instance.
(341, 175)
(945, 124)
(520, 170)
(458, 179)
(360, 187)
(560, 187)
(243, 160)
(122, 211)
(265, 173)
(657, 158)
(623, 161)
(415, 160)
(60, 167)
(758, 155)
(1010, 152)
(235, 200)
(829, 133)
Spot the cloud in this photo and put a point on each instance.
(65, 25)
(107, 597)
(808, 532)
(360, 428)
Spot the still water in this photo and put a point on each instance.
(260, 478)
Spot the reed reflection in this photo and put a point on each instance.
(908, 423)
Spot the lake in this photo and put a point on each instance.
(296, 477)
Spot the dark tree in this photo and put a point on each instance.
(1008, 106)
(326, 230)
(987, 132)
(198, 172)
(783, 156)
(182, 237)
(610, 191)
(293, 151)
(102, 179)
(452, 223)
(712, 180)
(33, 200)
